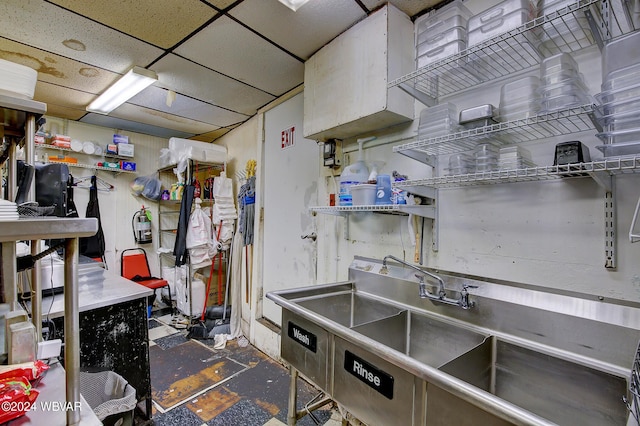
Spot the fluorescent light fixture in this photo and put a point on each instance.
(129, 85)
(293, 4)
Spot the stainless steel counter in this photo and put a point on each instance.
(97, 288)
(48, 407)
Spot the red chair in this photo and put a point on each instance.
(134, 266)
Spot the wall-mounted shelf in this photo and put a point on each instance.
(403, 209)
(557, 123)
(87, 166)
(598, 170)
(569, 29)
(93, 167)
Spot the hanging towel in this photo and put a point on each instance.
(246, 200)
(93, 246)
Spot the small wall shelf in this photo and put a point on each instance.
(403, 209)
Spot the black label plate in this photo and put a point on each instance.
(369, 374)
(302, 336)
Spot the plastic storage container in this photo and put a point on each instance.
(498, 19)
(18, 80)
(441, 34)
(363, 194)
(568, 33)
(383, 190)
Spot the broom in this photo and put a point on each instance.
(223, 326)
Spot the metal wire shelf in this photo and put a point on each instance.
(569, 29)
(398, 209)
(611, 166)
(561, 122)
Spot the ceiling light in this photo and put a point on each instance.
(293, 4)
(130, 84)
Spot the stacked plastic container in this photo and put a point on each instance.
(519, 99)
(570, 33)
(562, 84)
(620, 96)
(460, 164)
(442, 34)
(497, 20)
(514, 157)
(439, 120)
(486, 157)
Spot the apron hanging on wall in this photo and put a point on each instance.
(93, 246)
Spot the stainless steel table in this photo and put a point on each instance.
(34, 229)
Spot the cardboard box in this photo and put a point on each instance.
(117, 139)
(125, 149)
(112, 148)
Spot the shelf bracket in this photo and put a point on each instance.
(417, 94)
(610, 225)
(417, 155)
(593, 25)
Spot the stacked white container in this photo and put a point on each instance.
(620, 96)
(562, 84)
(519, 99)
(460, 164)
(569, 33)
(497, 20)
(486, 157)
(442, 34)
(439, 120)
(514, 157)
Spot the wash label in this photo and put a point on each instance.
(368, 374)
(302, 336)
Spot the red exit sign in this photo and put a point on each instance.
(287, 137)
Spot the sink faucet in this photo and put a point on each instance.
(441, 296)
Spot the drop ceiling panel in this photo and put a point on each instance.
(221, 4)
(211, 136)
(57, 69)
(193, 80)
(303, 32)
(131, 126)
(47, 27)
(162, 23)
(52, 94)
(161, 119)
(410, 7)
(233, 50)
(156, 98)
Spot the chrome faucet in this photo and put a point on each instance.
(441, 296)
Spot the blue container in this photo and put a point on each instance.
(383, 190)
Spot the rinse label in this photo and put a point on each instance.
(369, 374)
(302, 336)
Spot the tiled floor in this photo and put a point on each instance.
(194, 384)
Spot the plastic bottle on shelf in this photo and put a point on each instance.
(383, 190)
(353, 174)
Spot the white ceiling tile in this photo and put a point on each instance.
(156, 98)
(162, 23)
(56, 69)
(132, 126)
(193, 80)
(303, 32)
(152, 117)
(410, 7)
(233, 50)
(47, 27)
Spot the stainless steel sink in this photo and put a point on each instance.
(429, 340)
(556, 389)
(349, 309)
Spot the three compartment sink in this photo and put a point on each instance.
(560, 390)
(492, 376)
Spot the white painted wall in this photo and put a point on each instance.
(116, 207)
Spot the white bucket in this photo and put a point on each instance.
(17, 80)
(363, 194)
